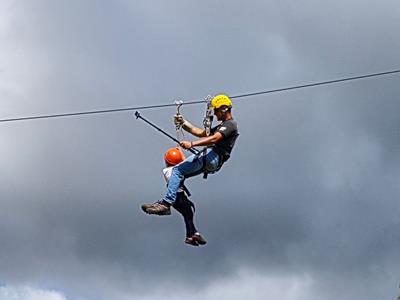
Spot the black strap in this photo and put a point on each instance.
(191, 204)
(185, 189)
(205, 172)
(183, 204)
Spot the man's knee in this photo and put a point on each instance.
(177, 171)
(183, 204)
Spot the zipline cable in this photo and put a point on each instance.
(198, 101)
(316, 84)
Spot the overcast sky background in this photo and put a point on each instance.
(306, 209)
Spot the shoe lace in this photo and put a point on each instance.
(158, 202)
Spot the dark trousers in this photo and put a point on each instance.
(186, 208)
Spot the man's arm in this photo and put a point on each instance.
(199, 132)
(205, 141)
(189, 127)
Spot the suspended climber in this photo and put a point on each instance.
(182, 204)
(218, 143)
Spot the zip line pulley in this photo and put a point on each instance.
(178, 128)
(208, 118)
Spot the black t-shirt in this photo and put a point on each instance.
(229, 130)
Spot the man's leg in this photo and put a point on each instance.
(184, 207)
(190, 167)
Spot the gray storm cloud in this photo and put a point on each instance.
(309, 200)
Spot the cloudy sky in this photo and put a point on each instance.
(306, 209)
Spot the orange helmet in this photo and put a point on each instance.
(174, 156)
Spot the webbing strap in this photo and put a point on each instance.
(205, 172)
(185, 189)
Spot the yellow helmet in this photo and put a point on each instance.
(221, 100)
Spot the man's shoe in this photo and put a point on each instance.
(160, 208)
(190, 241)
(199, 239)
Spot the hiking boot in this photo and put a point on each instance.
(199, 239)
(161, 208)
(191, 241)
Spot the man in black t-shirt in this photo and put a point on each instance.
(219, 147)
(229, 130)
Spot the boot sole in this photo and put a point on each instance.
(155, 213)
(195, 244)
(198, 241)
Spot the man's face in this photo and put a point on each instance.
(218, 113)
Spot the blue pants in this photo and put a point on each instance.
(191, 166)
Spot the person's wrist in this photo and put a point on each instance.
(191, 144)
